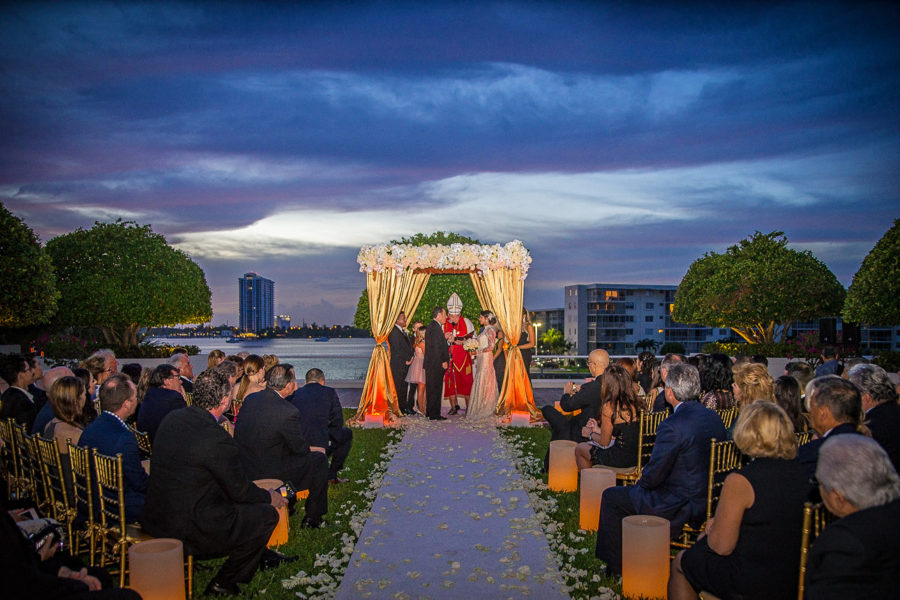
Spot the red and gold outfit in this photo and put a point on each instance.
(458, 378)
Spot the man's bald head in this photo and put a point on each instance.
(598, 361)
(51, 375)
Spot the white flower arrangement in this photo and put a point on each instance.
(461, 257)
(470, 345)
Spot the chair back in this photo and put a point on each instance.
(30, 467)
(724, 457)
(803, 437)
(143, 442)
(80, 461)
(110, 491)
(815, 518)
(647, 436)
(56, 477)
(728, 415)
(188, 398)
(9, 460)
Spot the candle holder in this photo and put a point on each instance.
(280, 534)
(157, 569)
(563, 475)
(594, 482)
(645, 556)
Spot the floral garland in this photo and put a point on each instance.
(462, 257)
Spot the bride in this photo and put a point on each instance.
(484, 387)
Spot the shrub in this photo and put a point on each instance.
(888, 360)
(672, 348)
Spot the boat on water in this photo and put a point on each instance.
(233, 340)
(323, 339)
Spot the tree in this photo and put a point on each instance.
(647, 344)
(120, 277)
(874, 294)
(555, 341)
(758, 288)
(28, 294)
(438, 289)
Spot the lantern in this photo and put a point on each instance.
(593, 484)
(645, 556)
(563, 476)
(157, 569)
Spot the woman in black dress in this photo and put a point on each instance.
(500, 358)
(527, 341)
(752, 545)
(613, 434)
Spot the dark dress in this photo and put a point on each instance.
(765, 562)
(526, 354)
(500, 367)
(624, 452)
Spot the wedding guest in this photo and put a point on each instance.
(668, 361)
(857, 556)
(879, 401)
(182, 362)
(752, 544)
(214, 359)
(67, 400)
(649, 378)
(89, 412)
(831, 364)
(143, 384)
(322, 419)
(36, 388)
(527, 340)
(415, 375)
(852, 362)
(752, 382)
(269, 361)
(164, 395)
(787, 396)
(835, 408)
(46, 413)
(715, 380)
(412, 393)
(500, 357)
(630, 366)
(134, 371)
(759, 359)
(674, 481)
(613, 433)
(253, 380)
(17, 402)
(401, 355)
(102, 364)
(803, 373)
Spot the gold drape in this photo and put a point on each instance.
(390, 294)
(502, 290)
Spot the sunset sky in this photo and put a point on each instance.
(618, 142)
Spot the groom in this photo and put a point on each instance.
(437, 357)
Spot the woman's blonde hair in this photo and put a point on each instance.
(755, 383)
(253, 364)
(215, 357)
(270, 361)
(763, 429)
(67, 399)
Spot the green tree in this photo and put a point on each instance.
(120, 277)
(28, 294)
(647, 344)
(874, 294)
(555, 341)
(438, 289)
(758, 288)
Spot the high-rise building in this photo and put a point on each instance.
(257, 302)
(283, 321)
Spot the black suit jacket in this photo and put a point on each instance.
(270, 436)
(157, 403)
(187, 385)
(320, 414)
(14, 404)
(198, 491)
(588, 399)
(857, 557)
(808, 453)
(401, 350)
(436, 349)
(883, 421)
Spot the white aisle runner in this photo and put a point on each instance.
(451, 520)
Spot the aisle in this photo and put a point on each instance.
(451, 520)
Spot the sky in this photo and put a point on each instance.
(618, 141)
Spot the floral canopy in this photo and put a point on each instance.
(396, 276)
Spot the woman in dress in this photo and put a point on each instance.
(416, 372)
(254, 380)
(752, 545)
(484, 386)
(67, 399)
(214, 359)
(715, 381)
(527, 339)
(614, 440)
(752, 382)
(500, 358)
(789, 397)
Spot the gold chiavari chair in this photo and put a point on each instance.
(80, 461)
(143, 441)
(56, 477)
(724, 457)
(815, 518)
(803, 437)
(188, 398)
(649, 423)
(728, 415)
(16, 485)
(115, 533)
(30, 468)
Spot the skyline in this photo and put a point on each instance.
(618, 143)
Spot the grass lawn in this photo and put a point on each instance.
(560, 513)
(348, 506)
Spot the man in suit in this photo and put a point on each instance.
(273, 444)
(673, 483)
(437, 358)
(879, 401)
(182, 362)
(323, 421)
(164, 395)
(401, 354)
(196, 493)
(17, 402)
(835, 408)
(587, 398)
(45, 415)
(857, 556)
(109, 434)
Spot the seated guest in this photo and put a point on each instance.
(17, 402)
(835, 408)
(89, 412)
(182, 362)
(270, 360)
(830, 362)
(102, 364)
(46, 413)
(214, 359)
(273, 444)
(759, 359)
(586, 398)
(109, 434)
(67, 400)
(715, 381)
(196, 493)
(852, 362)
(649, 377)
(673, 483)
(788, 397)
(164, 395)
(323, 421)
(857, 556)
(36, 387)
(254, 379)
(752, 382)
(630, 365)
(134, 371)
(659, 403)
(879, 401)
(802, 372)
(613, 433)
(752, 545)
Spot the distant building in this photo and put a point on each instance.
(283, 321)
(614, 317)
(257, 302)
(870, 338)
(549, 318)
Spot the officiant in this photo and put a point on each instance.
(458, 379)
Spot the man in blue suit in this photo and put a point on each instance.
(109, 434)
(322, 420)
(673, 483)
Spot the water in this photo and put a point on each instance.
(339, 358)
